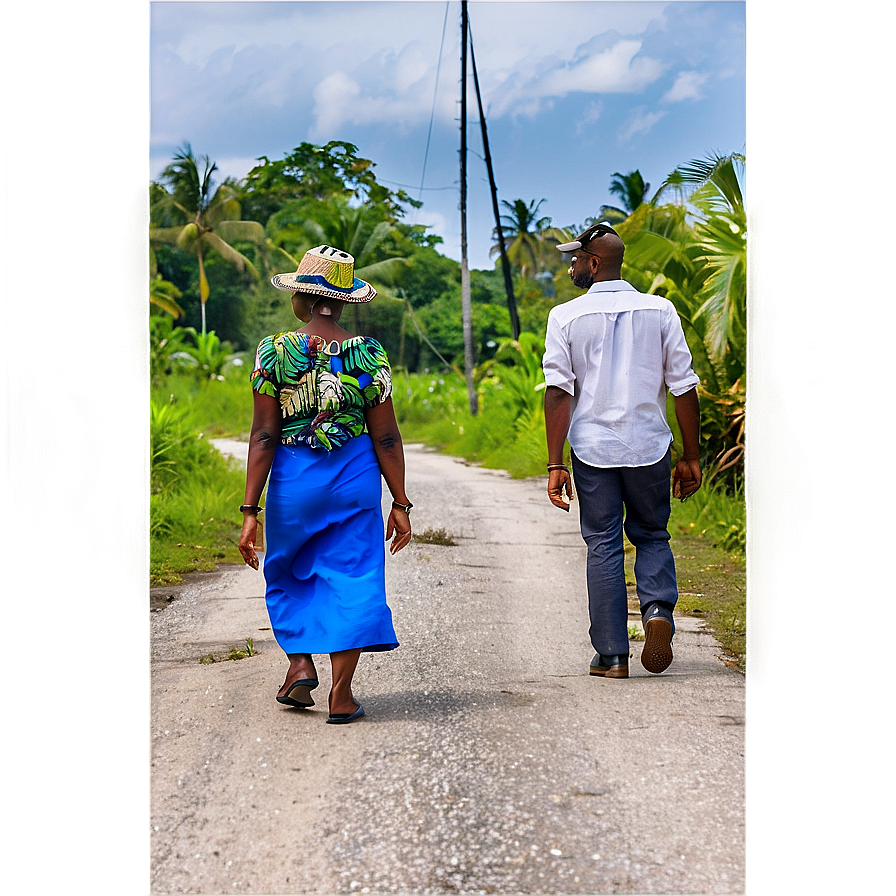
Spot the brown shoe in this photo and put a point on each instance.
(656, 654)
(609, 666)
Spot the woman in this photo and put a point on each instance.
(324, 430)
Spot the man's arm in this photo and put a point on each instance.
(687, 476)
(557, 414)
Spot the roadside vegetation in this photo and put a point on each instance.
(214, 247)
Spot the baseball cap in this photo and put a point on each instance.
(586, 236)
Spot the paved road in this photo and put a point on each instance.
(489, 762)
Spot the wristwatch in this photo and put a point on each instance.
(250, 508)
(405, 507)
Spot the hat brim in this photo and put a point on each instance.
(570, 247)
(360, 291)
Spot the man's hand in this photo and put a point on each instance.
(686, 479)
(558, 482)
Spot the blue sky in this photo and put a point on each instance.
(573, 92)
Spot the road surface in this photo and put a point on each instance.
(489, 760)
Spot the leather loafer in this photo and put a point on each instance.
(609, 666)
(656, 655)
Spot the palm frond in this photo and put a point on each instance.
(167, 235)
(245, 231)
(228, 253)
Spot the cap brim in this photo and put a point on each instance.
(569, 247)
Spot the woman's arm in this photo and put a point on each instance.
(383, 429)
(263, 441)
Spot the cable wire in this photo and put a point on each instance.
(433, 113)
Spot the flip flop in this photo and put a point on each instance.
(343, 718)
(298, 694)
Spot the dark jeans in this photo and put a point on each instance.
(638, 501)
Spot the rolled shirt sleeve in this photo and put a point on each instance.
(557, 359)
(678, 370)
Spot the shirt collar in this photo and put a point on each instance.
(611, 286)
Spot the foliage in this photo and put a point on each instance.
(713, 513)
(217, 407)
(188, 213)
(165, 341)
(631, 189)
(317, 173)
(526, 235)
(694, 252)
(206, 356)
(164, 294)
(194, 491)
(507, 434)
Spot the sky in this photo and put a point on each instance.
(573, 92)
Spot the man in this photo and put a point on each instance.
(610, 355)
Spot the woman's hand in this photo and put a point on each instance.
(247, 540)
(399, 525)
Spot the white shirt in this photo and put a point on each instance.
(617, 350)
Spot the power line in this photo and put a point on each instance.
(433, 112)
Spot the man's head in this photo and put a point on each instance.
(596, 255)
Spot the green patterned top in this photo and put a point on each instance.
(323, 388)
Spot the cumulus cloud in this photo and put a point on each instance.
(687, 86)
(641, 121)
(615, 69)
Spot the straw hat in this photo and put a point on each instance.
(326, 271)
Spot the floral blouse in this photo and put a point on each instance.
(323, 388)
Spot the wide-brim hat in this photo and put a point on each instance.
(327, 271)
(585, 237)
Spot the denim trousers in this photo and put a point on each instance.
(636, 500)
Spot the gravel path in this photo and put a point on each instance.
(489, 761)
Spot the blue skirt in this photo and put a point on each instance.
(325, 550)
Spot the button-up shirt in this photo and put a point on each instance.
(617, 351)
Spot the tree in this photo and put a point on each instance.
(193, 217)
(332, 171)
(631, 189)
(525, 235)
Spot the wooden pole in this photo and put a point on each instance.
(465, 300)
(505, 263)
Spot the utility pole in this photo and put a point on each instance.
(505, 263)
(465, 301)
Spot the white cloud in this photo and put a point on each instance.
(616, 69)
(687, 86)
(592, 113)
(332, 97)
(641, 121)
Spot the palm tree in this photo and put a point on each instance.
(205, 219)
(631, 189)
(358, 230)
(525, 235)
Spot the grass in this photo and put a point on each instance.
(219, 408)
(194, 490)
(434, 536)
(712, 585)
(236, 653)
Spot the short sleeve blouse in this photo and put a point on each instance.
(323, 388)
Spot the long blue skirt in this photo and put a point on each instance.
(325, 551)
